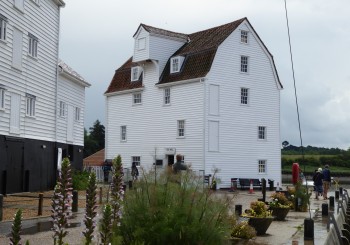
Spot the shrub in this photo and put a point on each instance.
(80, 180)
(243, 230)
(175, 208)
(279, 200)
(257, 209)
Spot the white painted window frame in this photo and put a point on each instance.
(63, 106)
(141, 43)
(244, 96)
(262, 166)
(137, 98)
(244, 36)
(136, 160)
(30, 105)
(33, 45)
(244, 64)
(2, 98)
(77, 114)
(123, 133)
(167, 93)
(262, 133)
(135, 73)
(3, 28)
(181, 126)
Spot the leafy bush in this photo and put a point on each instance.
(257, 209)
(279, 200)
(80, 180)
(174, 209)
(243, 230)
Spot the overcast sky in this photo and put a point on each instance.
(96, 38)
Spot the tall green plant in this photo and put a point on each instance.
(169, 211)
(90, 209)
(16, 228)
(117, 191)
(62, 202)
(106, 225)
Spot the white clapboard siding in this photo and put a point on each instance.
(239, 147)
(152, 126)
(73, 94)
(141, 54)
(37, 75)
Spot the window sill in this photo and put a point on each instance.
(180, 137)
(18, 9)
(32, 117)
(16, 68)
(32, 57)
(3, 41)
(2, 109)
(244, 73)
(123, 141)
(136, 104)
(167, 104)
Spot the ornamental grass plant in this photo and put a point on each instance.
(173, 209)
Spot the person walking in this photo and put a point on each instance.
(317, 178)
(326, 181)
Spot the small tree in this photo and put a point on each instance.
(61, 202)
(117, 191)
(90, 209)
(16, 228)
(106, 225)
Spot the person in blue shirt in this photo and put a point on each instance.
(326, 181)
(317, 178)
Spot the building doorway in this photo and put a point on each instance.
(170, 160)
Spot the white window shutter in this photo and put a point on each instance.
(17, 49)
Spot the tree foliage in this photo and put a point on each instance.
(94, 140)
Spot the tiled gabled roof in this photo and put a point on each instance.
(199, 52)
(162, 32)
(122, 79)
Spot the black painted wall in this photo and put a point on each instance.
(31, 165)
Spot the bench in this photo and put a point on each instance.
(245, 183)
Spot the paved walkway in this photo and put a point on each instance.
(280, 232)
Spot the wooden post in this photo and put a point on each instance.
(1, 205)
(75, 201)
(41, 202)
(100, 196)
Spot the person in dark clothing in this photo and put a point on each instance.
(179, 165)
(326, 181)
(134, 171)
(317, 178)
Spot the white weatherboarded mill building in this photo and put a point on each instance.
(35, 130)
(212, 96)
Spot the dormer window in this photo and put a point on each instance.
(176, 63)
(135, 73)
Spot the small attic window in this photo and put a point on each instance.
(141, 43)
(135, 73)
(176, 63)
(244, 36)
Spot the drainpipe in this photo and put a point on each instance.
(202, 80)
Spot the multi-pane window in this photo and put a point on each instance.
(262, 166)
(175, 66)
(137, 99)
(261, 132)
(77, 114)
(2, 98)
(123, 133)
(181, 128)
(244, 36)
(3, 21)
(62, 109)
(167, 96)
(244, 96)
(135, 73)
(244, 63)
(30, 105)
(33, 45)
(136, 160)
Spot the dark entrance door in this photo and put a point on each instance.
(14, 167)
(170, 160)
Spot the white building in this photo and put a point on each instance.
(212, 96)
(30, 129)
